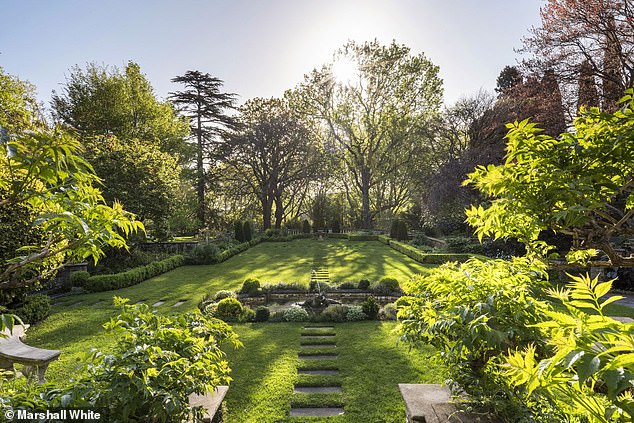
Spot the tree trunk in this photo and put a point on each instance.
(200, 173)
(267, 205)
(366, 215)
(279, 211)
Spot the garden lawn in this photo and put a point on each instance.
(75, 325)
(371, 366)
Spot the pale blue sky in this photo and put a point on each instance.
(259, 48)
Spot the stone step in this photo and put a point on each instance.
(179, 303)
(318, 346)
(317, 327)
(327, 335)
(318, 356)
(158, 303)
(322, 372)
(316, 411)
(316, 389)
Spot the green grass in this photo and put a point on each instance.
(76, 324)
(371, 366)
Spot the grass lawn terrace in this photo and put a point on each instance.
(371, 363)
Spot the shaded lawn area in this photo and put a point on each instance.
(76, 323)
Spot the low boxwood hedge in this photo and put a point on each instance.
(427, 258)
(134, 276)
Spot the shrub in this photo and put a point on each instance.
(347, 285)
(394, 229)
(401, 231)
(248, 315)
(355, 313)
(79, 279)
(114, 378)
(229, 310)
(247, 232)
(386, 286)
(223, 293)
(284, 286)
(462, 244)
(133, 276)
(204, 253)
(34, 309)
(306, 226)
(370, 307)
(262, 314)
(335, 226)
(334, 313)
(295, 313)
(206, 300)
(250, 286)
(362, 236)
(384, 239)
(364, 284)
(238, 231)
(277, 317)
(388, 312)
(474, 313)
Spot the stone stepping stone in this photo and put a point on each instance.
(316, 411)
(179, 303)
(316, 389)
(324, 372)
(98, 303)
(318, 327)
(319, 346)
(158, 303)
(326, 335)
(318, 356)
(141, 301)
(77, 304)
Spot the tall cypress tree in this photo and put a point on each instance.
(588, 95)
(206, 106)
(612, 80)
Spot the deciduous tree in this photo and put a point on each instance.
(371, 100)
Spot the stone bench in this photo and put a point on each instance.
(34, 360)
(210, 402)
(430, 403)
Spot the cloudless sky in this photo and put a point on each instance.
(258, 47)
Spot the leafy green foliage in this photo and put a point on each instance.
(262, 314)
(250, 286)
(229, 310)
(370, 307)
(296, 313)
(473, 313)
(246, 231)
(238, 231)
(34, 309)
(43, 169)
(305, 226)
(579, 183)
(590, 373)
(133, 276)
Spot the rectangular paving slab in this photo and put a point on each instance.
(316, 411)
(179, 303)
(318, 356)
(319, 346)
(158, 303)
(318, 327)
(316, 389)
(326, 335)
(323, 372)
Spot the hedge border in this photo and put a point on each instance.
(426, 258)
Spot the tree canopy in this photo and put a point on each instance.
(580, 183)
(371, 100)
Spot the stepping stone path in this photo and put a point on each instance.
(179, 303)
(309, 340)
(158, 303)
(319, 273)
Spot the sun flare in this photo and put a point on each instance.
(345, 70)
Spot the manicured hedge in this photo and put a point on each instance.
(426, 258)
(337, 236)
(362, 237)
(384, 239)
(133, 276)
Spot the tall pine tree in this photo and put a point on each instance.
(206, 106)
